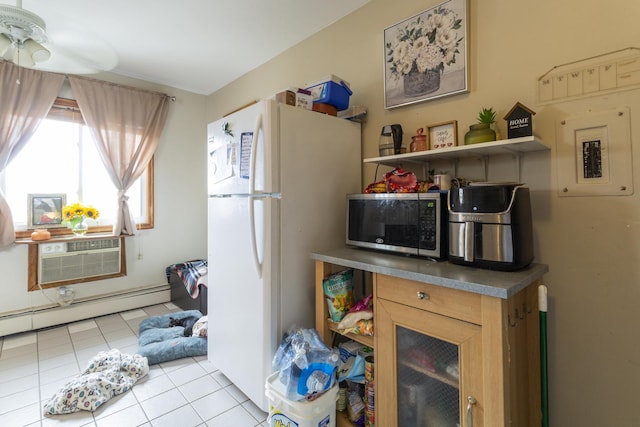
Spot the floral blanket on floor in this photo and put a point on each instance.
(108, 374)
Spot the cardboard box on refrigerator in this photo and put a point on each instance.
(296, 97)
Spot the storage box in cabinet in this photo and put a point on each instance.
(424, 296)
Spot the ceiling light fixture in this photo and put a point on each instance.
(21, 35)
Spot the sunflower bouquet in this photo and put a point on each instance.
(76, 213)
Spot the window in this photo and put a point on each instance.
(61, 157)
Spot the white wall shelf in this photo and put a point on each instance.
(514, 146)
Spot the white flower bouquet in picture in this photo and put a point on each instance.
(421, 49)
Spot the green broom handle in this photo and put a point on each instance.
(542, 303)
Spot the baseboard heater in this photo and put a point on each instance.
(83, 308)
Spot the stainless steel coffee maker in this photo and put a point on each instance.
(490, 226)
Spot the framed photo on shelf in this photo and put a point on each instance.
(426, 56)
(443, 135)
(45, 210)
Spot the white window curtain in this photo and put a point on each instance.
(126, 124)
(26, 96)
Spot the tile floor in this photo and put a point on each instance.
(185, 392)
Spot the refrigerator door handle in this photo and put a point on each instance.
(254, 242)
(252, 199)
(254, 148)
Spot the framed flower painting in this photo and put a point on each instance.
(426, 55)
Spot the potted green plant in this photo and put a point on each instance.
(487, 115)
(481, 131)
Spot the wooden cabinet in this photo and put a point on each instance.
(496, 348)
(325, 327)
(429, 365)
(435, 332)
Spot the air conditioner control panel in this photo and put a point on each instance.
(52, 248)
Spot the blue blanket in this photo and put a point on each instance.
(160, 343)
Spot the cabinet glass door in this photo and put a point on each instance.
(433, 368)
(428, 380)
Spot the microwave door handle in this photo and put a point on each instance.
(469, 241)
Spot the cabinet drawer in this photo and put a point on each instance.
(448, 302)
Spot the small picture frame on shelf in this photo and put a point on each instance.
(45, 210)
(443, 135)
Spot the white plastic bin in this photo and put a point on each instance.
(283, 412)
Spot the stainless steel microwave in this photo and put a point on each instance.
(408, 223)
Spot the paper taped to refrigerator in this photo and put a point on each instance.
(246, 140)
(220, 161)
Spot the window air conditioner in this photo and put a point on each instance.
(78, 260)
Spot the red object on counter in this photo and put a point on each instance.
(401, 181)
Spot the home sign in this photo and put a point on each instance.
(519, 121)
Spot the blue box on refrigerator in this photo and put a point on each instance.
(331, 90)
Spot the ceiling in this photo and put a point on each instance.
(195, 45)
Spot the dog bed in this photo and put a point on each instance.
(159, 342)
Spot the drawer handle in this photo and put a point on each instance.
(422, 295)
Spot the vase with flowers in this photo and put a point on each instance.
(422, 49)
(75, 215)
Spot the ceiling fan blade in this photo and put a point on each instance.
(74, 47)
(75, 54)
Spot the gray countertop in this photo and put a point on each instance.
(499, 284)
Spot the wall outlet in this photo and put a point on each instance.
(66, 294)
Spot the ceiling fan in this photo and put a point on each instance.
(24, 40)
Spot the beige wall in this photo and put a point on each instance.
(590, 243)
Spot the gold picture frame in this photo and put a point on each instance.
(45, 210)
(443, 135)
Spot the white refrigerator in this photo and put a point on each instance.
(277, 183)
